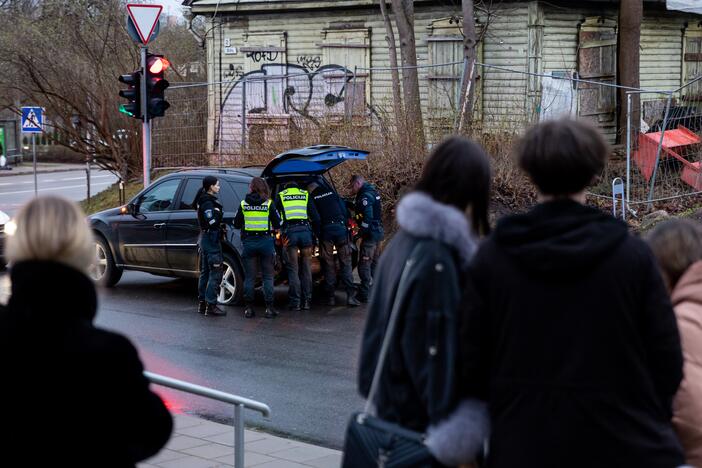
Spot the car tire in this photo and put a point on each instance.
(231, 291)
(104, 272)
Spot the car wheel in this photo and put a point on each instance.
(104, 271)
(231, 290)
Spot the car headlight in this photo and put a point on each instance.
(10, 227)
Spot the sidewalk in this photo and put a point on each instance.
(42, 168)
(197, 443)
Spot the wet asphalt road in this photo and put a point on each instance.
(18, 189)
(302, 364)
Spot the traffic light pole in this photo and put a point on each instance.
(146, 125)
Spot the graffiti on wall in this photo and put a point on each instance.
(310, 62)
(262, 56)
(286, 89)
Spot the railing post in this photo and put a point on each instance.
(239, 436)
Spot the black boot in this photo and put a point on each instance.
(351, 300)
(201, 307)
(214, 311)
(249, 312)
(306, 304)
(270, 311)
(331, 300)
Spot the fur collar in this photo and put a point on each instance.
(422, 216)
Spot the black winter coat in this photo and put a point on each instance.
(419, 385)
(73, 391)
(573, 341)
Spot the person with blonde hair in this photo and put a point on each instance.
(56, 363)
(677, 245)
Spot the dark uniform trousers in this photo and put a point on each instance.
(336, 236)
(210, 265)
(259, 249)
(367, 262)
(298, 257)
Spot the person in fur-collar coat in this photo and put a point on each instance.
(420, 381)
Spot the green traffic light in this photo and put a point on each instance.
(123, 109)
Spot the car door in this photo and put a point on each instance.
(143, 235)
(183, 231)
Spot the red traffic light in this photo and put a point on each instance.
(158, 65)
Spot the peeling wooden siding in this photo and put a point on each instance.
(661, 52)
(561, 39)
(504, 92)
(505, 45)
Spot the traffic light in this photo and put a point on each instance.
(156, 84)
(133, 94)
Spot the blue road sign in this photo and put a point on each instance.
(32, 119)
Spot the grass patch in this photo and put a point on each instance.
(109, 198)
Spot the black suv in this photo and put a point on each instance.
(157, 231)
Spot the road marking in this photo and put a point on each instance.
(3, 184)
(54, 188)
(92, 177)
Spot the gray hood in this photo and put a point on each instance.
(422, 216)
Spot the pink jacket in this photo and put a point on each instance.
(687, 408)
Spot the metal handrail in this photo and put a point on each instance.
(240, 403)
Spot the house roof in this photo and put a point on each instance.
(241, 6)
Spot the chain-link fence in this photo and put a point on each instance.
(664, 145)
(258, 114)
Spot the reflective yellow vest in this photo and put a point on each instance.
(294, 203)
(256, 216)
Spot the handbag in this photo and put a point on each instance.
(372, 442)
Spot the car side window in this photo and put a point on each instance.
(187, 200)
(160, 198)
(228, 199)
(240, 188)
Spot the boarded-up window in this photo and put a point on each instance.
(597, 61)
(259, 50)
(349, 50)
(445, 44)
(692, 62)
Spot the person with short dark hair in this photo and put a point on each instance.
(297, 212)
(370, 222)
(677, 244)
(333, 235)
(570, 334)
(420, 384)
(257, 218)
(209, 216)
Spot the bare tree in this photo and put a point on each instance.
(66, 56)
(404, 19)
(392, 48)
(470, 41)
(629, 39)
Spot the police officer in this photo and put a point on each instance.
(297, 211)
(368, 214)
(209, 216)
(333, 233)
(256, 218)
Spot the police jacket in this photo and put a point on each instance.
(369, 213)
(303, 213)
(209, 212)
(330, 206)
(257, 203)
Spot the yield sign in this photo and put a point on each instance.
(145, 18)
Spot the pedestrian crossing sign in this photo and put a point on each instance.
(32, 119)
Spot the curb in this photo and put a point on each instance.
(5, 173)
